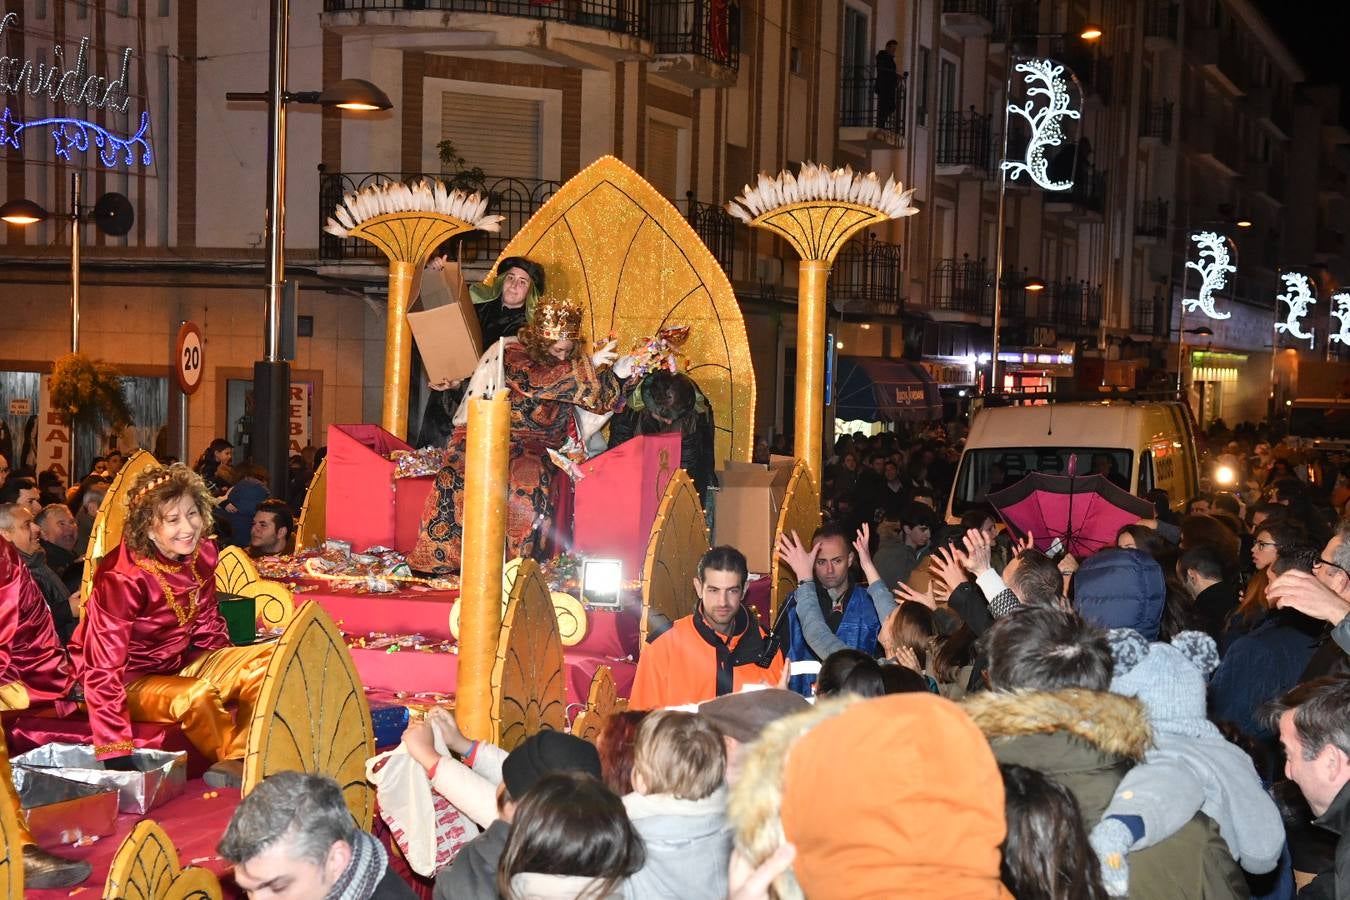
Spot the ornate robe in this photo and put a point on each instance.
(542, 397)
(31, 658)
(146, 615)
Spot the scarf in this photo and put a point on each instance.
(359, 880)
(747, 650)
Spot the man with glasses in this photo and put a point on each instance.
(1325, 594)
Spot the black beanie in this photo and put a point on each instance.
(544, 754)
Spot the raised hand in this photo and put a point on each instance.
(605, 355)
(1305, 593)
(861, 547)
(801, 560)
(946, 567)
(978, 550)
(1028, 542)
(904, 592)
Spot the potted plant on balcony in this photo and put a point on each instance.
(458, 175)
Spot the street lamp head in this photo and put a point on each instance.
(1243, 223)
(1033, 284)
(22, 212)
(1090, 33)
(1202, 331)
(355, 94)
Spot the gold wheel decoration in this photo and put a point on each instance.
(236, 574)
(146, 867)
(111, 516)
(312, 714)
(800, 513)
(529, 693)
(601, 703)
(678, 541)
(311, 529)
(11, 847)
(609, 240)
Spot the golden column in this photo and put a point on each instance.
(407, 223)
(817, 211)
(486, 472)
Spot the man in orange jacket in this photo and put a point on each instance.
(717, 650)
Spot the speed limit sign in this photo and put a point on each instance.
(188, 357)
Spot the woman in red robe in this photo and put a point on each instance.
(153, 646)
(548, 376)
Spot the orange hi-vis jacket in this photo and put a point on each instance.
(687, 665)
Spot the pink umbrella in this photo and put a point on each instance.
(1082, 513)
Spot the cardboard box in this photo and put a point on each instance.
(616, 501)
(367, 506)
(749, 498)
(446, 328)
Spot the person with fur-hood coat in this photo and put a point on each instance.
(1049, 709)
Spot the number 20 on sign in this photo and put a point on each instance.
(189, 357)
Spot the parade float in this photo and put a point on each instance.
(517, 646)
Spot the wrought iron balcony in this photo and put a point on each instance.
(963, 139)
(865, 103)
(1075, 308)
(610, 15)
(699, 28)
(866, 276)
(1016, 17)
(1088, 194)
(1150, 316)
(967, 18)
(962, 285)
(715, 227)
(515, 198)
(1155, 121)
(1151, 220)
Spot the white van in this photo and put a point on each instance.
(1140, 445)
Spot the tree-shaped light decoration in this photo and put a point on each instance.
(817, 211)
(1215, 264)
(407, 222)
(1341, 310)
(1299, 295)
(1044, 79)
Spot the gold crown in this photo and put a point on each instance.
(558, 319)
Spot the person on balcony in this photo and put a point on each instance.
(887, 85)
(548, 377)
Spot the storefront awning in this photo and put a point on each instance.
(885, 390)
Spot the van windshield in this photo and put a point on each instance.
(987, 470)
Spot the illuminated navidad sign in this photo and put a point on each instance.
(73, 85)
(1299, 295)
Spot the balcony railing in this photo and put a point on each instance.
(515, 198)
(715, 227)
(1161, 19)
(866, 276)
(1150, 316)
(697, 27)
(983, 8)
(1088, 193)
(864, 103)
(1016, 17)
(1155, 121)
(1076, 307)
(611, 15)
(963, 285)
(963, 139)
(1152, 219)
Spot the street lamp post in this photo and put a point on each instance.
(271, 375)
(112, 214)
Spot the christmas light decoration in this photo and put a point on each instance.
(1044, 79)
(1341, 310)
(1299, 295)
(78, 135)
(1214, 264)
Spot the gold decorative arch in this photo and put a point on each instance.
(311, 529)
(609, 240)
(601, 703)
(800, 513)
(111, 516)
(236, 574)
(11, 845)
(312, 714)
(529, 693)
(146, 867)
(678, 541)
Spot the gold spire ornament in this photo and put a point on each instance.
(817, 211)
(407, 222)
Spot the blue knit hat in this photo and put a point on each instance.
(1169, 679)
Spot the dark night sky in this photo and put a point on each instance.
(1317, 44)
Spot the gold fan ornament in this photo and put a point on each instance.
(407, 222)
(817, 211)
